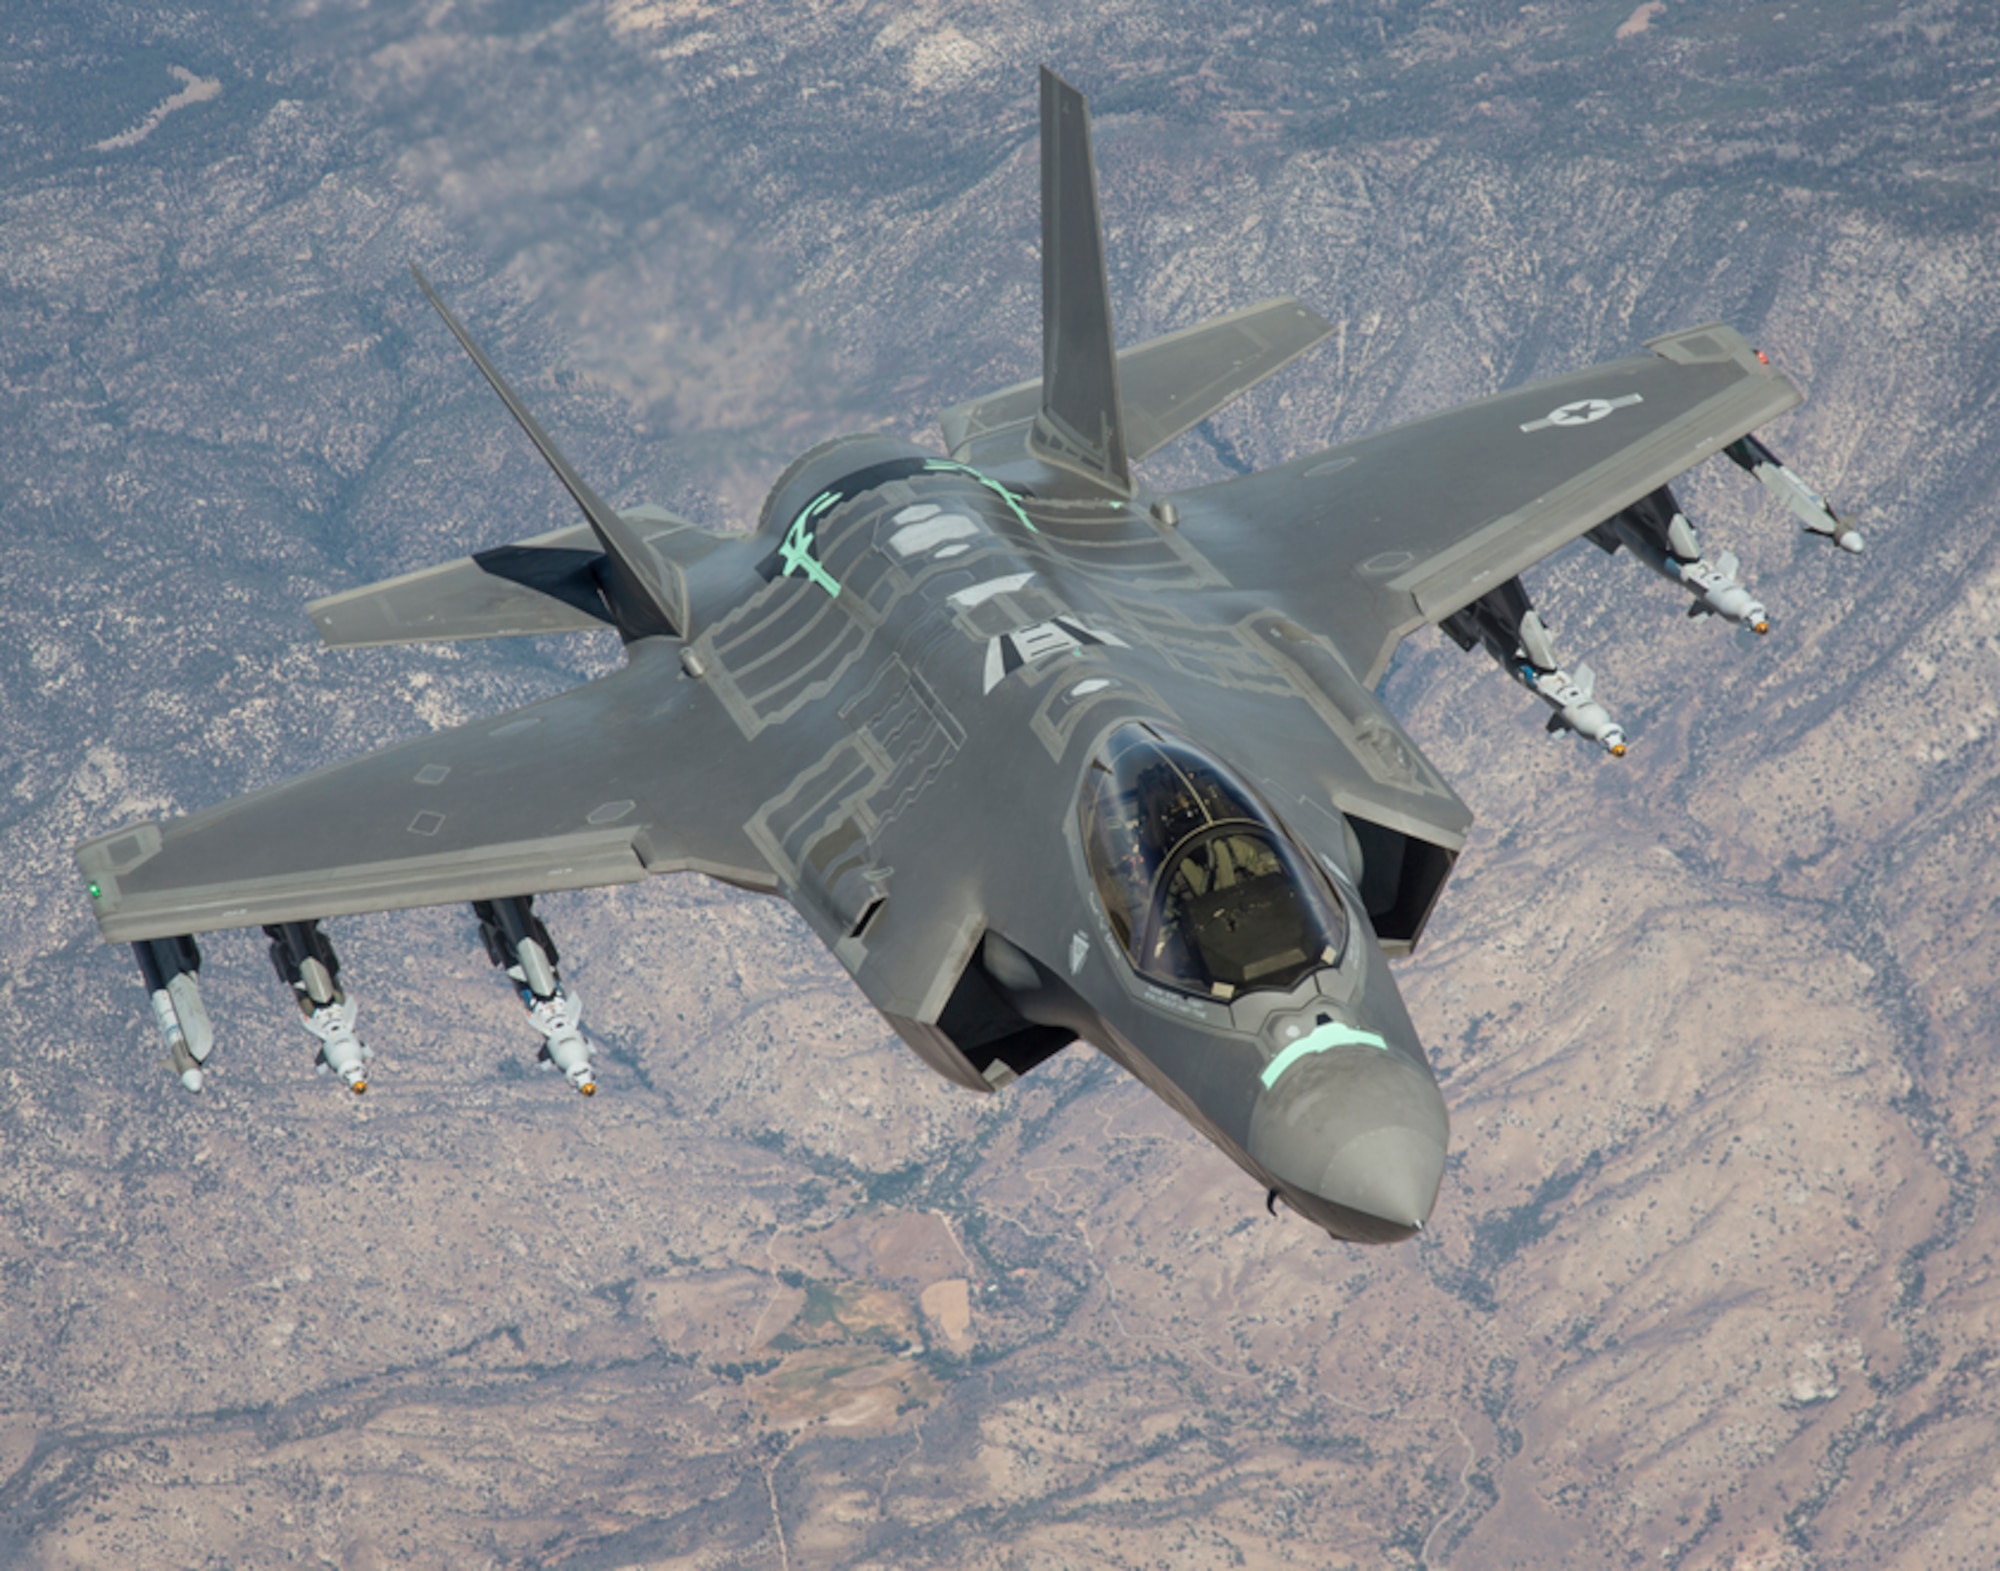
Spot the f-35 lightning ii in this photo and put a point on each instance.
(1039, 753)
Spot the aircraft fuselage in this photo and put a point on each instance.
(979, 643)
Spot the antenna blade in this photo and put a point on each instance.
(1081, 426)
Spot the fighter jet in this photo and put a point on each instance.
(1042, 754)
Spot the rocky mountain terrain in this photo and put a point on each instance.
(1712, 1281)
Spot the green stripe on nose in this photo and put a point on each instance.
(1330, 1035)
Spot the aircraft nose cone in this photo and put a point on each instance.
(1358, 1133)
(1391, 1172)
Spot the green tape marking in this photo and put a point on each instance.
(797, 550)
(1319, 1040)
(946, 466)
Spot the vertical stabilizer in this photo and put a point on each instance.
(637, 597)
(1080, 426)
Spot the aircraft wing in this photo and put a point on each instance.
(1367, 542)
(640, 772)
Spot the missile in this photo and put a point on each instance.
(170, 967)
(564, 1046)
(1571, 697)
(340, 1050)
(1719, 591)
(1506, 624)
(304, 958)
(1576, 707)
(519, 945)
(1659, 534)
(1813, 510)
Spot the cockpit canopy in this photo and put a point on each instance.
(1203, 887)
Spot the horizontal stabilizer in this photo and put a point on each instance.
(1168, 385)
(544, 585)
(553, 583)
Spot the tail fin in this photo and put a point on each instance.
(1081, 426)
(636, 595)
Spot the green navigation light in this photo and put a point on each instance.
(95, 892)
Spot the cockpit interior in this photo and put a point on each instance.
(1203, 887)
